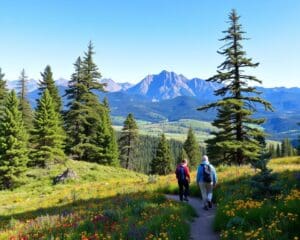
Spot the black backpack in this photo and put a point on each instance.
(181, 173)
(207, 173)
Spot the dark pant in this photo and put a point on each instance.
(183, 189)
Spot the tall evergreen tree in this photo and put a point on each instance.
(106, 138)
(48, 135)
(161, 163)
(24, 106)
(13, 144)
(286, 148)
(84, 117)
(278, 150)
(182, 155)
(75, 116)
(128, 142)
(192, 149)
(217, 147)
(238, 96)
(48, 82)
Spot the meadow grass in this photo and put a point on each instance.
(242, 215)
(103, 203)
(113, 203)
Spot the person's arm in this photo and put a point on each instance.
(187, 173)
(215, 177)
(198, 174)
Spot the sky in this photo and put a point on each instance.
(135, 38)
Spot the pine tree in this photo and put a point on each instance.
(24, 106)
(48, 83)
(286, 148)
(182, 155)
(75, 116)
(278, 150)
(192, 149)
(238, 97)
(47, 136)
(128, 142)
(106, 139)
(161, 163)
(84, 116)
(264, 182)
(13, 144)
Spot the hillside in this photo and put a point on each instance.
(100, 200)
(96, 205)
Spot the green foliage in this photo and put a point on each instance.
(240, 216)
(13, 144)
(263, 182)
(192, 149)
(162, 162)
(128, 143)
(146, 150)
(48, 83)
(106, 139)
(88, 125)
(24, 105)
(182, 155)
(287, 149)
(238, 131)
(47, 136)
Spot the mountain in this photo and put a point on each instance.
(112, 86)
(169, 85)
(31, 85)
(169, 96)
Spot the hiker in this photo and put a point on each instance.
(207, 180)
(183, 176)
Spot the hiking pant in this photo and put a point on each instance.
(206, 192)
(183, 189)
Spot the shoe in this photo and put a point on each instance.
(186, 199)
(205, 208)
(209, 204)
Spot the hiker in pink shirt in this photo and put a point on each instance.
(183, 177)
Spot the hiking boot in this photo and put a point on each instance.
(205, 208)
(186, 199)
(209, 204)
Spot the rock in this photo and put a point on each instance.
(68, 174)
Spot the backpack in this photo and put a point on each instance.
(207, 173)
(181, 173)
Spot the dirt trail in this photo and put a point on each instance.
(201, 227)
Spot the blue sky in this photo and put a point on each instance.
(134, 38)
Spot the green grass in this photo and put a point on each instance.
(103, 203)
(113, 203)
(240, 216)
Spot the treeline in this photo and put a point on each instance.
(283, 149)
(49, 134)
(155, 155)
(83, 130)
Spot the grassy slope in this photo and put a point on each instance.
(111, 192)
(100, 200)
(240, 216)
